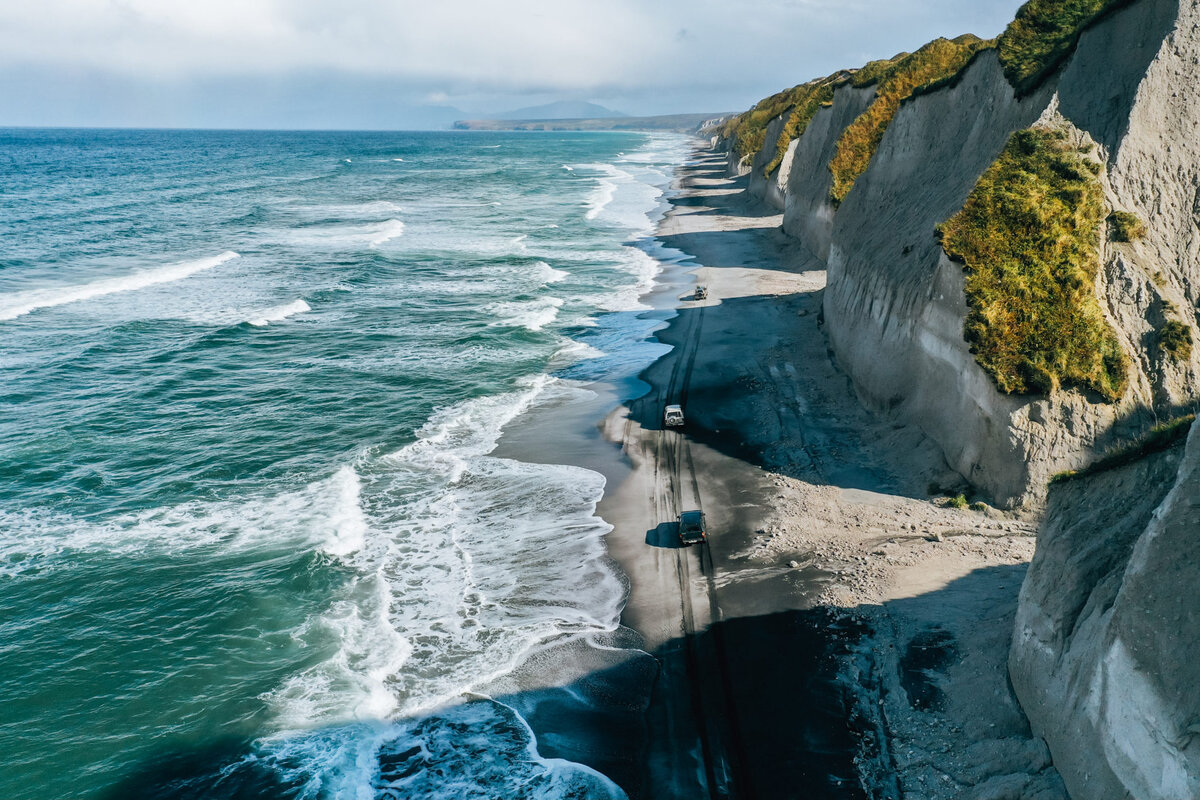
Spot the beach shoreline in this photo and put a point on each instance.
(843, 634)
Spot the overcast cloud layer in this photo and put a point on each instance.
(390, 63)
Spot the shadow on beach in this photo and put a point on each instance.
(793, 727)
(664, 535)
(786, 736)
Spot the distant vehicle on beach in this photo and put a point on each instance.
(673, 416)
(701, 292)
(692, 528)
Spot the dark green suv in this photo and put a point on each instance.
(692, 528)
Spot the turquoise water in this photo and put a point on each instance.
(249, 383)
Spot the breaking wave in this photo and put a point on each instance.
(22, 303)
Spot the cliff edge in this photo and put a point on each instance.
(1107, 636)
(932, 123)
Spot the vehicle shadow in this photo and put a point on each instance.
(664, 535)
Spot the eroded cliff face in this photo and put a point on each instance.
(1106, 647)
(770, 188)
(808, 211)
(894, 306)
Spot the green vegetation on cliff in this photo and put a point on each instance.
(1126, 227)
(1028, 237)
(874, 71)
(1175, 339)
(1156, 440)
(897, 80)
(1043, 34)
(748, 131)
(819, 93)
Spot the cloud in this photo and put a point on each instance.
(476, 48)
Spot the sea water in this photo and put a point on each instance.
(252, 539)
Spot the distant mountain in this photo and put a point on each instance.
(563, 109)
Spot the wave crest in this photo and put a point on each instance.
(279, 313)
(22, 303)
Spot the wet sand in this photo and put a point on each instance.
(842, 634)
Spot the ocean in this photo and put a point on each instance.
(253, 541)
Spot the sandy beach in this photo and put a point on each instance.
(845, 631)
(844, 634)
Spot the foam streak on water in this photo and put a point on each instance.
(263, 504)
(279, 313)
(22, 303)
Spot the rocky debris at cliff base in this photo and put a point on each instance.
(916, 573)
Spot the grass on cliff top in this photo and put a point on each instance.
(874, 71)
(1043, 34)
(816, 94)
(1028, 238)
(896, 80)
(748, 130)
(1157, 439)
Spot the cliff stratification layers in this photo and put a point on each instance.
(895, 304)
(1106, 652)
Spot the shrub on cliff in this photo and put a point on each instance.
(1043, 34)
(1028, 237)
(1126, 227)
(1157, 439)
(1175, 339)
(896, 80)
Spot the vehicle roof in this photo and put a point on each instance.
(691, 516)
(674, 408)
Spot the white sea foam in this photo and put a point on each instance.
(323, 515)
(21, 303)
(346, 517)
(386, 232)
(546, 274)
(372, 235)
(352, 684)
(532, 315)
(279, 313)
(480, 748)
(498, 756)
(606, 187)
(445, 204)
(573, 351)
(644, 268)
(471, 563)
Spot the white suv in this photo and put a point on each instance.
(673, 416)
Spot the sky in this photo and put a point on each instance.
(397, 64)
